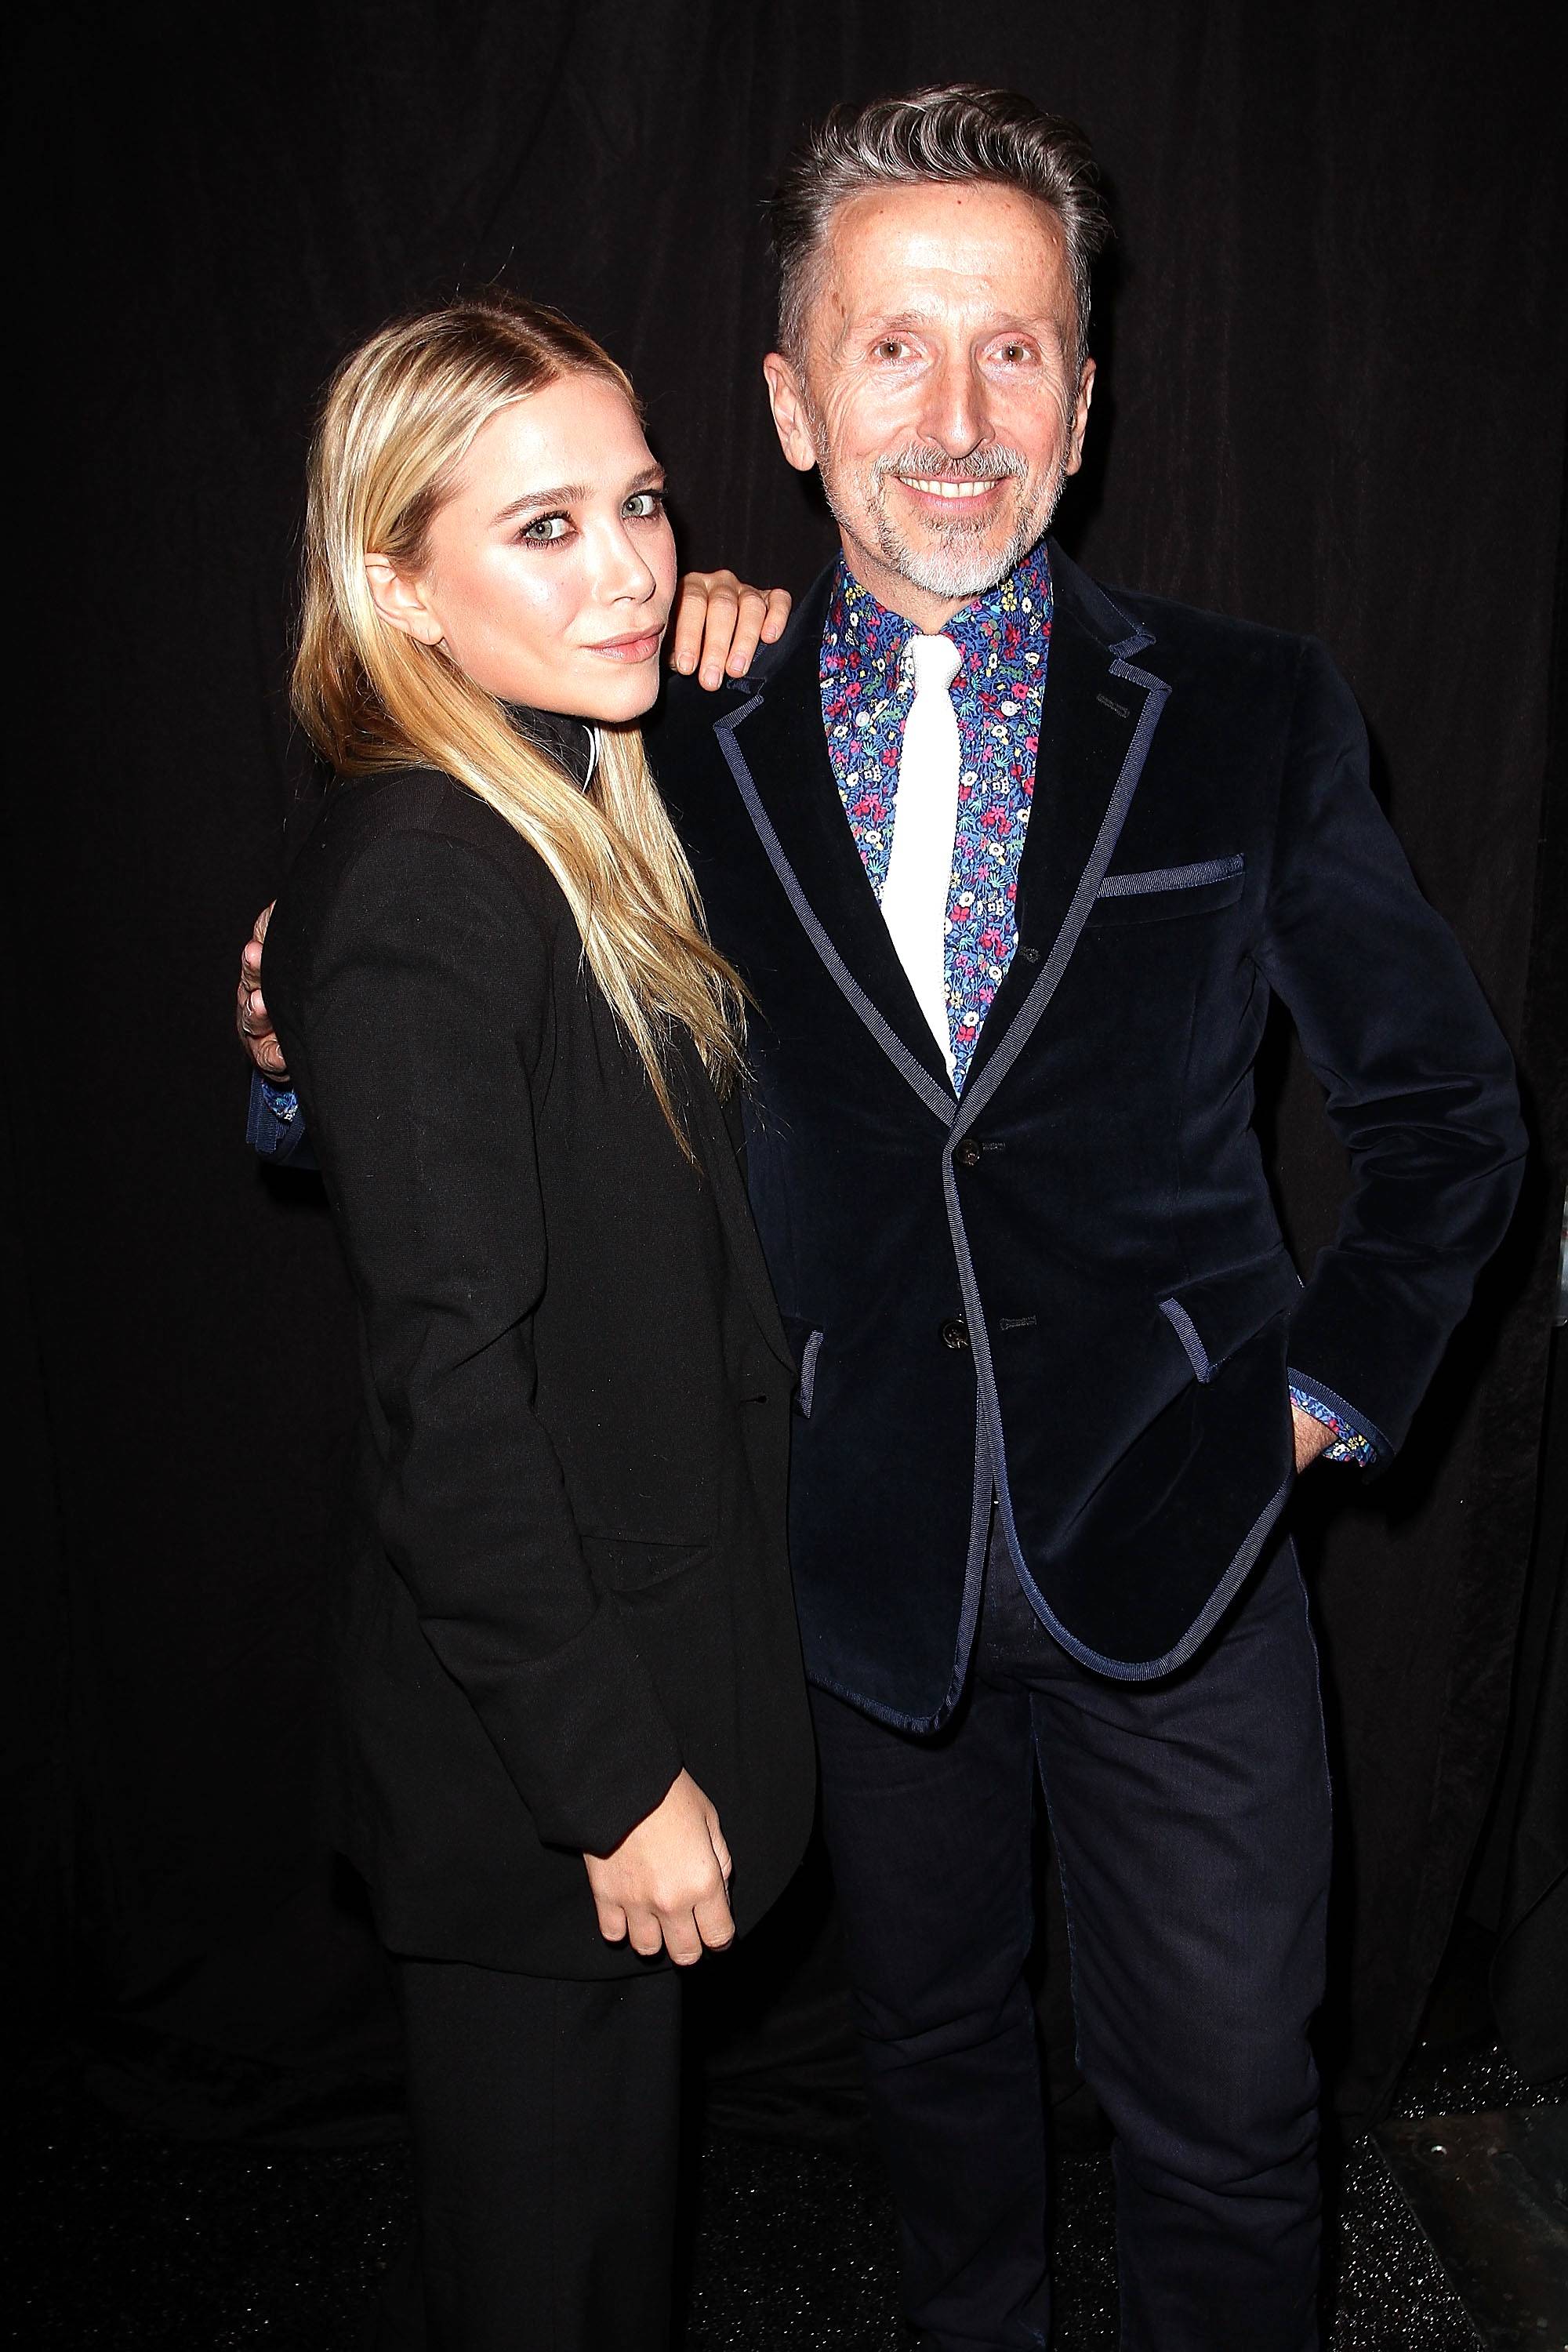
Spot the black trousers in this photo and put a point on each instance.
(1191, 1821)
(545, 2116)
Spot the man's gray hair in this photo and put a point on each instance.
(962, 132)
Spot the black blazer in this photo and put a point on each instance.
(1071, 1286)
(570, 1577)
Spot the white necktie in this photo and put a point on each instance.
(925, 820)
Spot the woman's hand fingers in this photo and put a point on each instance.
(720, 1846)
(612, 1921)
(645, 1931)
(682, 1938)
(722, 627)
(718, 622)
(688, 620)
(665, 1885)
(715, 1922)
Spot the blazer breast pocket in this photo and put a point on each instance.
(634, 1563)
(1157, 893)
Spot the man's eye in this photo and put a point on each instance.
(1016, 354)
(891, 347)
(545, 529)
(644, 505)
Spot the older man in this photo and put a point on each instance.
(1013, 867)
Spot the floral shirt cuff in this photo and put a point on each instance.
(275, 1124)
(1354, 1440)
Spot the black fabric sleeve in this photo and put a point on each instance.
(429, 1003)
(1419, 1082)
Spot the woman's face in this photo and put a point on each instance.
(549, 571)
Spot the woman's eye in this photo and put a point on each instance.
(644, 505)
(545, 529)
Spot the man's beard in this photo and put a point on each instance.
(955, 561)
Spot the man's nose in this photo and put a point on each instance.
(954, 413)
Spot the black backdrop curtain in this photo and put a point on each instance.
(1332, 398)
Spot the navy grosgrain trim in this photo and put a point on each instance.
(1341, 1410)
(936, 1098)
(1120, 1670)
(1170, 878)
(1186, 1332)
(807, 1385)
(1144, 1670)
(979, 1091)
(968, 1618)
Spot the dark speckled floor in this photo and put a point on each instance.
(123, 2240)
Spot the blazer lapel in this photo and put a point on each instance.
(716, 1141)
(777, 753)
(1097, 720)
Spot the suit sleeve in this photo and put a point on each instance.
(428, 1005)
(1419, 1082)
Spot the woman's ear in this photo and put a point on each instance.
(401, 601)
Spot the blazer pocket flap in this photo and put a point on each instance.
(1217, 1313)
(631, 1563)
(805, 1346)
(1157, 891)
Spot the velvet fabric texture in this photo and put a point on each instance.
(568, 1578)
(1071, 1283)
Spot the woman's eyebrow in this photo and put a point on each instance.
(567, 494)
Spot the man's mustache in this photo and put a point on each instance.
(987, 465)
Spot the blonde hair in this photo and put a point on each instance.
(400, 416)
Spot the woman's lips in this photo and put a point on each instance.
(639, 648)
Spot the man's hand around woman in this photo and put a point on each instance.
(668, 1881)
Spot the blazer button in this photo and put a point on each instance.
(968, 1153)
(953, 1332)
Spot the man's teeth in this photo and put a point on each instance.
(942, 487)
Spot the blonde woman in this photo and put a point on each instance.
(574, 1745)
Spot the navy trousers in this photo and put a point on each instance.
(1190, 1818)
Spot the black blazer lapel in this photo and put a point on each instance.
(716, 1139)
(777, 753)
(1097, 720)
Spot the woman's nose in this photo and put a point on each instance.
(624, 573)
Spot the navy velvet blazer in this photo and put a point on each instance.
(1070, 1288)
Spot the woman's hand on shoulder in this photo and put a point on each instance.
(668, 1881)
(718, 623)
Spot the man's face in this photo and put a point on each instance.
(935, 391)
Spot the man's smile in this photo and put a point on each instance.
(939, 486)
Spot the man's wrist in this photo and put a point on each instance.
(1349, 1438)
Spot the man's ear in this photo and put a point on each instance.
(1079, 419)
(401, 601)
(790, 410)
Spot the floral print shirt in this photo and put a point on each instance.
(1003, 641)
